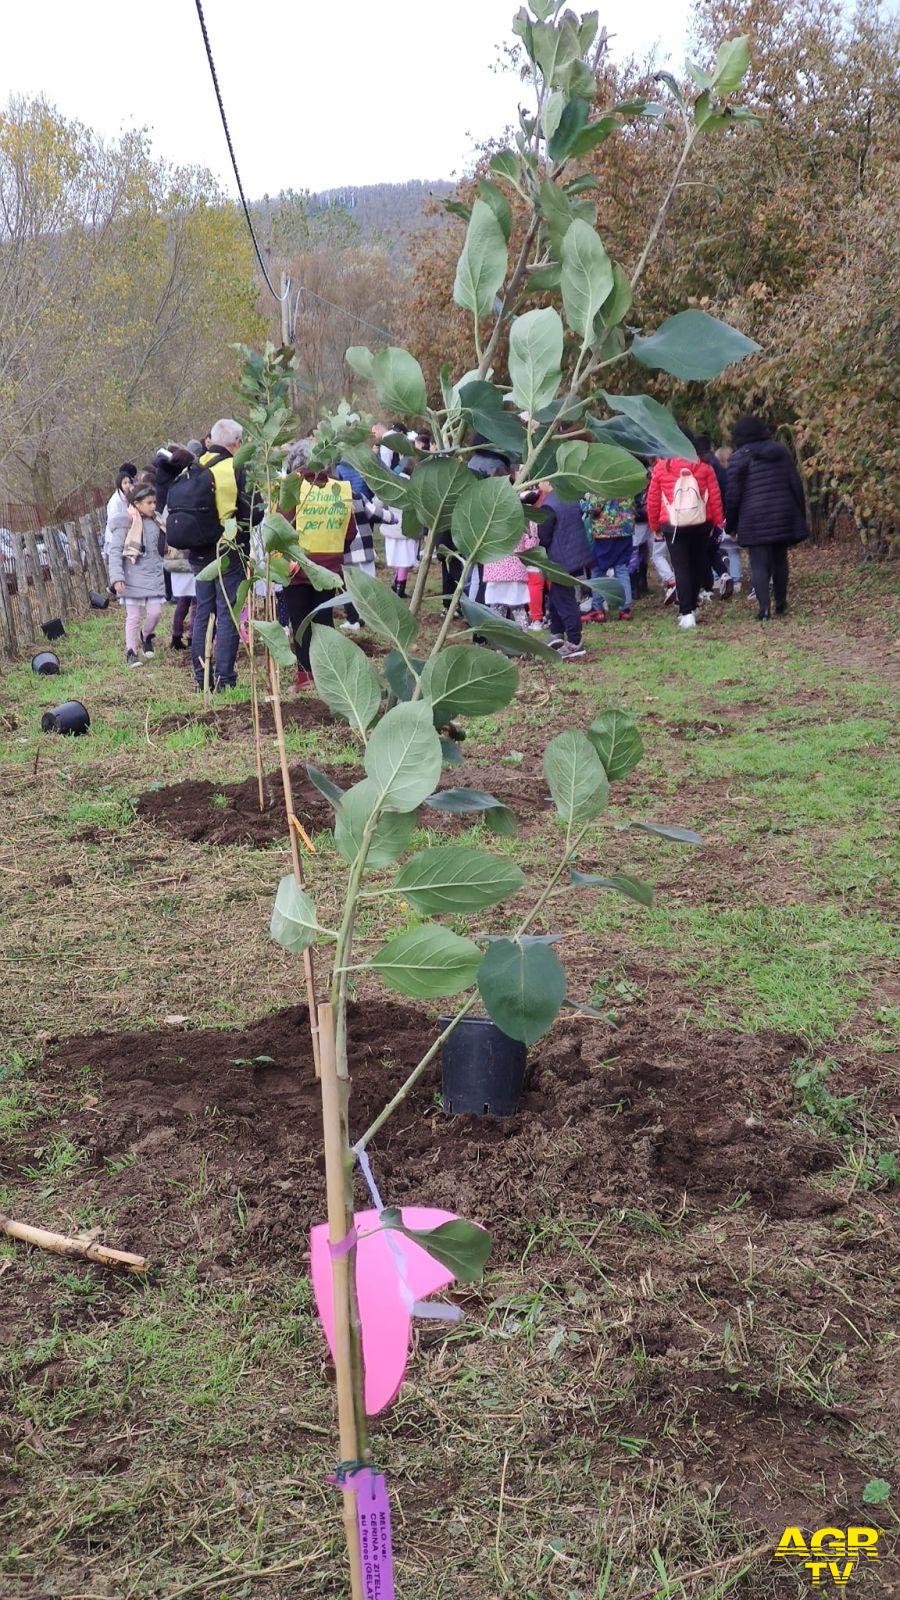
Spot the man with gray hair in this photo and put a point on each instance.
(207, 495)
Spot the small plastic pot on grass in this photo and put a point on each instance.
(483, 1069)
(45, 663)
(71, 718)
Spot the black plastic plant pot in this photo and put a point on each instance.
(98, 601)
(483, 1069)
(53, 629)
(71, 717)
(45, 663)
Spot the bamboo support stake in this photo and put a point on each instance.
(61, 1244)
(340, 1222)
(296, 863)
(254, 706)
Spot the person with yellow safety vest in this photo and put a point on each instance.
(326, 528)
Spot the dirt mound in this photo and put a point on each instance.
(235, 720)
(227, 1123)
(228, 813)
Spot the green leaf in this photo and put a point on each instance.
(692, 344)
(666, 830)
(618, 302)
(400, 679)
(539, 558)
(522, 986)
(403, 756)
(615, 737)
(213, 569)
(390, 488)
(452, 878)
(461, 801)
(650, 427)
(467, 680)
(732, 64)
(576, 777)
(595, 133)
(877, 1492)
(544, 279)
(331, 791)
(462, 1247)
(601, 469)
(496, 199)
(558, 212)
(509, 638)
(392, 835)
(457, 208)
(500, 426)
(631, 888)
(482, 264)
(698, 74)
(488, 520)
(451, 752)
(276, 642)
(382, 610)
(507, 165)
(434, 489)
(399, 381)
(294, 924)
(555, 48)
(344, 677)
(360, 360)
(570, 125)
(428, 961)
(587, 277)
(535, 358)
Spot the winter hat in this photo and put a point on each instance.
(196, 448)
(748, 430)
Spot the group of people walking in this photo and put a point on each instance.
(690, 523)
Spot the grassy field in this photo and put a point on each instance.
(686, 1337)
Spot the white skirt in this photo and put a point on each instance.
(400, 552)
(513, 593)
(183, 584)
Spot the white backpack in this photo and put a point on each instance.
(687, 507)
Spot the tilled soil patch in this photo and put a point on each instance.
(645, 1115)
(235, 720)
(228, 813)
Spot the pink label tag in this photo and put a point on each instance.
(373, 1515)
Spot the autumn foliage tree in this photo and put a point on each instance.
(123, 284)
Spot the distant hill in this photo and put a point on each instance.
(385, 208)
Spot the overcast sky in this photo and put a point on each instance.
(318, 93)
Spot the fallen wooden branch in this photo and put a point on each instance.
(61, 1245)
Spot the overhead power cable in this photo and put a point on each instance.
(237, 175)
(354, 316)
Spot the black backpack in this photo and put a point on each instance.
(193, 521)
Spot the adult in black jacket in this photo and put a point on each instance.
(765, 509)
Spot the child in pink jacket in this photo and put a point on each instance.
(506, 582)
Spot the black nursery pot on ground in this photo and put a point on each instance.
(71, 717)
(45, 663)
(53, 629)
(483, 1069)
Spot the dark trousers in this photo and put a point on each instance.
(689, 555)
(769, 565)
(180, 614)
(211, 602)
(565, 614)
(718, 560)
(299, 600)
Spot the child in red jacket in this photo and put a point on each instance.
(683, 504)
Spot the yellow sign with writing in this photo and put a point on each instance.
(323, 516)
(829, 1555)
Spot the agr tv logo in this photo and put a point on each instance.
(832, 1554)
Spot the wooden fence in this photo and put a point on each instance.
(49, 566)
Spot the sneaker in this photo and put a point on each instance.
(147, 646)
(535, 627)
(304, 680)
(572, 652)
(178, 644)
(669, 595)
(132, 659)
(556, 641)
(704, 597)
(350, 627)
(737, 586)
(726, 586)
(625, 614)
(586, 606)
(687, 620)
